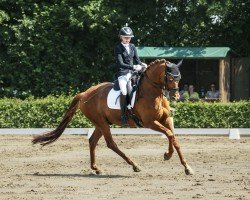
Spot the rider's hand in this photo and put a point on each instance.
(144, 65)
(137, 67)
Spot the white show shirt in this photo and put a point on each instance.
(126, 47)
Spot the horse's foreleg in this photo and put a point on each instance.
(188, 169)
(157, 126)
(112, 145)
(93, 140)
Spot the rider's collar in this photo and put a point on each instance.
(125, 45)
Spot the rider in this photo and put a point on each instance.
(127, 61)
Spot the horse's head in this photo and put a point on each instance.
(173, 76)
(165, 75)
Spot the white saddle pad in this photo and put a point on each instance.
(113, 100)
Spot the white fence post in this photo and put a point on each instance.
(234, 134)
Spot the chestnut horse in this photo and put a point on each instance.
(151, 107)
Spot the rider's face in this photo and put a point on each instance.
(125, 40)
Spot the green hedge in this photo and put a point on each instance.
(47, 113)
(212, 115)
(38, 113)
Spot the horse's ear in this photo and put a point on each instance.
(179, 63)
(170, 65)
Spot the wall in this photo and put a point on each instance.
(224, 79)
(240, 78)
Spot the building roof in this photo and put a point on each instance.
(183, 52)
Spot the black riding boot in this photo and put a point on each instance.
(123, 110)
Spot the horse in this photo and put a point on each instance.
(151, 107)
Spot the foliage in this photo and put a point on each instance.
(56, 47)
(38, 113)
(212, 115)
(49, 111)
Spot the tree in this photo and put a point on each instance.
(54, 47)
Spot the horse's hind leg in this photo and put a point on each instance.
(112, 145)
(93, 140)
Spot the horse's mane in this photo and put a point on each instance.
(156, 62)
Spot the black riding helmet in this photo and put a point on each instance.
(126, 32)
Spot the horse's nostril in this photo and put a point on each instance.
(173, 98)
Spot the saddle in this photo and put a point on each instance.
(130, 98)
(135, 79)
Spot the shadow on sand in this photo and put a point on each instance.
(81, 175)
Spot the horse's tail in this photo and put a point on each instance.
(52, 136)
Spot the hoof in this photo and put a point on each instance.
(136, 168)
(189, 170)
(99, 172)
(96, 172)
(167, 156)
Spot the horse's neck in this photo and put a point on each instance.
(153, 96)
(148, 90)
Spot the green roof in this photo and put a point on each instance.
(183, 52)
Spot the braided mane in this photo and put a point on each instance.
(156, 62)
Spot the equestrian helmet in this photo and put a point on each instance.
(126, 32)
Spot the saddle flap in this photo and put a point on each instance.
(113, 100)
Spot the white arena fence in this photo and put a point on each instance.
(232, 133)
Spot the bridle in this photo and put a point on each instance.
(163, 85)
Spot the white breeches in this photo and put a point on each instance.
(123, 81)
